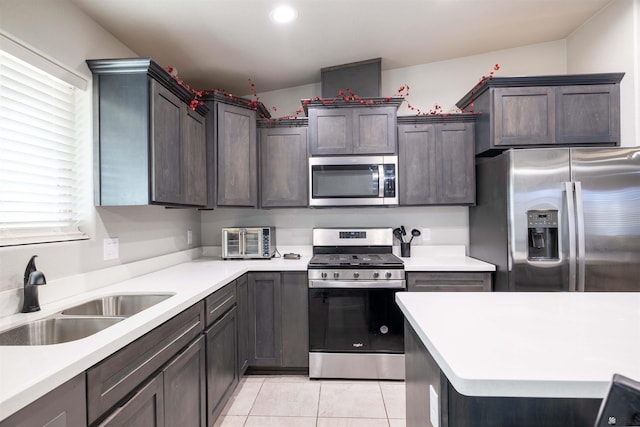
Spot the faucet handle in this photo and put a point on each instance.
(36, 278)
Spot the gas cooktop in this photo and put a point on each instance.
(386, 260)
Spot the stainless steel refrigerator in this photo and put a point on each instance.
(559, 219)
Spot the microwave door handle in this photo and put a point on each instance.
(242, 242)
(380, 180)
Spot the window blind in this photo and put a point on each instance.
(38, 160)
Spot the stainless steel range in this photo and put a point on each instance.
(355, 326)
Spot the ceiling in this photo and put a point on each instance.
(221, 44)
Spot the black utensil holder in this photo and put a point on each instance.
(405, 250)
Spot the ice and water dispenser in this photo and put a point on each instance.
(542, 235)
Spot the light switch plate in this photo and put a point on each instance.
(426, 234)
(189, 237)
(111, 248)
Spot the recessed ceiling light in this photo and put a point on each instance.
(283, 14)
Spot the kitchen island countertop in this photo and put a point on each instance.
(559, 345)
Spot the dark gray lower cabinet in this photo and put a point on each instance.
(295, 320)
(438, 281)
(110, 382)
(278, 320)
(426, 384)
(265, 321)
(222, 362)
(242, 310)
(184, 383)
(144, 408)
(63, 407)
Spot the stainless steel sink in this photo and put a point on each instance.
(56, 330)
(116, 305)
(81, 320)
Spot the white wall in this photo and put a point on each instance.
(444, 82)
(62, 33)
(449, 225)
(610, 42)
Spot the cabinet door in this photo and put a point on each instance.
(284, 170)
(166, 148)
(449, 282)
(242, 310)
(374, 130)
(144, 409)
(524, 116)
(295, 320)
(265, 327)
(330, 131)
(64, 406)
(184, 388)
(416, 166)
(454, 164)
(237, 156)
(588, 114)
(222, 362)
(195, 158)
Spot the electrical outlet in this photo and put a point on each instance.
(111, 249)
(426, 234)
(189, 237)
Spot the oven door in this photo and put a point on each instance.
(348, 320)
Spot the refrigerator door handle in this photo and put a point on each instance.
(571, 217)
(581, 235)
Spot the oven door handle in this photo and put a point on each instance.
(357, 284)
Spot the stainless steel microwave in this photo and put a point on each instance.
(248, 242)
(353, 181)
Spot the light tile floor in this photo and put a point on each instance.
(297, 401)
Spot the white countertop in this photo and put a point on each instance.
(529, 344)
(28, 372)
(442, 258)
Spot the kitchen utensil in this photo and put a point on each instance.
(414, 233)
(397, 233)
(404, 232)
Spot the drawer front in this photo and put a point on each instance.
(219, 302)
(449, 282)
(111, 380)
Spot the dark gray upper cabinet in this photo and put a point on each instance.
(340, 128)
(149, 146)
(64, 406)
(540, 111)
(232, 150)
(436, 160)
(283, 163)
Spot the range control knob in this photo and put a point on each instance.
(324, 275)
(387, 275)
(336, 275)
(356, 274)
(376, 274)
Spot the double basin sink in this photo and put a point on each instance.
(80, 321)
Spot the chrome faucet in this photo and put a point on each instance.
(32, 279)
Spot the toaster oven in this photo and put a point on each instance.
(248, 242)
